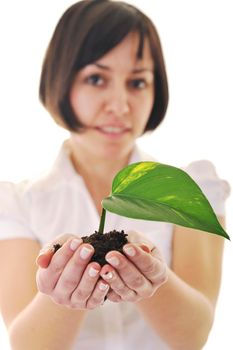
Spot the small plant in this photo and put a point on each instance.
(157, 192)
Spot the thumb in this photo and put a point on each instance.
(44, 258)
(145, 247)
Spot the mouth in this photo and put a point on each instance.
(112, 130)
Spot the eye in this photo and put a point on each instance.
(138, 83)
(95, 79)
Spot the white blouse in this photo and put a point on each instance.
(59, 202)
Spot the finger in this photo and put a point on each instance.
(72, 273)
(117, 284)
(129, 273)
(151, 265)
(140, 240)
(98, 295)
(47, 252)
(144, 247)
(47, 278)
(113, 296)
(44, 258)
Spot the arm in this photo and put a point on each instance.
(189, 297)
(33, 319)
(182, 310)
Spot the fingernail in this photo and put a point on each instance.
(85, 253)
(75, 243)
(113, 261)
(129, 251)
(103, 286)
(108, 275)
(93, 272)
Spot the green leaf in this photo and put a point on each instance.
(159, 192)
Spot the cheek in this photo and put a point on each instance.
(144, 108)
(84, 110)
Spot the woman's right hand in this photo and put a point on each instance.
(68, 277)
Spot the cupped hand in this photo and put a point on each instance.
(68, 277)
(137, 274)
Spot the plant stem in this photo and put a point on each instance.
(102, 221)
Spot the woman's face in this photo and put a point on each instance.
(113, 97)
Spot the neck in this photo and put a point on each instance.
(97, 172)
(97, 166)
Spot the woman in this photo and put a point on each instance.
(104, 80)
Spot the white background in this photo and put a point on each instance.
(197, 42)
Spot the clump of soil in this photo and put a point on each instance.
(103, 243)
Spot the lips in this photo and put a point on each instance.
(112, 129)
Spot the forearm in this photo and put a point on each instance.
(181, 315)
(45, 325)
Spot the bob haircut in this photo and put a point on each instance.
(85, 32)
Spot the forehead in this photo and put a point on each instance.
(127, 52)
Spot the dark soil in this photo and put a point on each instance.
(56, 247)
(103, 243)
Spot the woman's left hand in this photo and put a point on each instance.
(137, 274)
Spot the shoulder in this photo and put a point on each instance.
(205, 172)
(18, 193)
(217, 190)
(17, 203)
(11, 194)
(202, 168)
(13, 211)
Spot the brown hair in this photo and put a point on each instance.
(85, 32)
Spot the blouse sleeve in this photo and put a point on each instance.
(216, 190)
(14, 215)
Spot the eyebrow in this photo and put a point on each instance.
(135, 71)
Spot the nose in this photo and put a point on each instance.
(117, 101)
